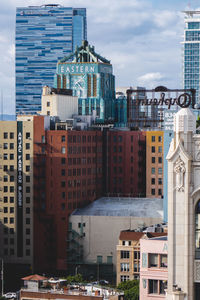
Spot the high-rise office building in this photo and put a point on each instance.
(191, 51)
(44, 34)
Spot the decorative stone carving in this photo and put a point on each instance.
(196, 271)
(179, 169)
(197, 150)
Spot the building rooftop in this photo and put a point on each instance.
(124, 207)
(160, 238)
(34, 277)
(136, 236)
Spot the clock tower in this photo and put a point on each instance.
(90, 77)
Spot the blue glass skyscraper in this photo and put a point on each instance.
(44, 34)
(191, 51)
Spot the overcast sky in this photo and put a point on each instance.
(142, 38)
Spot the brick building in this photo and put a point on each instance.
(125, 158)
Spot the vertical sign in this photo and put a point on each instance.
(19, 189)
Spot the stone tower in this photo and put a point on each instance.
(184, 209)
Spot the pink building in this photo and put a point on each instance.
(153, 268)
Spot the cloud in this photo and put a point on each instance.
(140, 37)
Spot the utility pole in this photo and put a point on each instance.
(2, 278)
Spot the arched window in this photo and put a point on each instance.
(197, 230)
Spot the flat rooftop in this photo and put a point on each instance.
(124, 207)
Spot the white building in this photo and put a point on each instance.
(184, 209)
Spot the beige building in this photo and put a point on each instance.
(128, 253)
(16, 190)
(58, 102)
(97, 226)
(154, 163)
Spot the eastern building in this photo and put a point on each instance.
(154, 163)
(191, 51)
(90, 77)
(184, 209)
(44, 34)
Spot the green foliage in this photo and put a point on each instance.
(74, 279)
(130, 288)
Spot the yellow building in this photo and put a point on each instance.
(154, 164)
(16, 191)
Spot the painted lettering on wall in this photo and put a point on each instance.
(19, 189)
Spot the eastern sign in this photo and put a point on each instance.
(19, 189)
(82, 68)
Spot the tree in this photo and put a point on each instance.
(75, 279)
(130, 289)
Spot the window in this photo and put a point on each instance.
(153, 286)
(5, 210)
(109, 259)
(12, 189)
(153, 192)
(153, 260)
(153, 138)
(62, 183)
(124, 278)
(5, 135)
(27, 221)
(27, 156)
(28, 231)
(99, 259)
(163, 286)
(63, 160)
(11, 199)
(28, 252)
(5, 146)
(5, 189)
(5, 156)
(5, 199)
(124, 267)
(28, 178)
(153, 170)
(5, 220)
(28, 189)
(160, 160)
(28, 242)
(163, 260)
(5, 178)
(11, 135)
(5, 168)
(12, 210)
(63, 172)
(48, 103)
(11, 168)
(12, 178)
(28, 168)
(11, 156)
(152, 180)
(28, 210)
(159, 170)
(27, 146)
(11, 146)
(160, 138)
(160, 192)
(124, 254)
(135, 267)
(160, 149)
(153, 160)
(63, 150)
(159, 180)
(28, 135)
(63, 138)
(197, 230)
(153, 149)
(11, 220)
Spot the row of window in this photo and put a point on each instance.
(153, 160)
(11, 168)
(6, 156)
(157, 260)
(11, 135)
(12, 189)
(153, 192)
(83, 138)
(82, 161)
(153, 138)
(11, 220)
(89, 171)
(153, 170)
(11, 199)
(12, 252)
(153, 181)
(153, 149)
(11, 231)
(79, 149)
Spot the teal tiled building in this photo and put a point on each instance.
(91, 78)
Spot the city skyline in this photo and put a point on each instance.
(142, 41)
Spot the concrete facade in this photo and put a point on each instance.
(100, 223)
